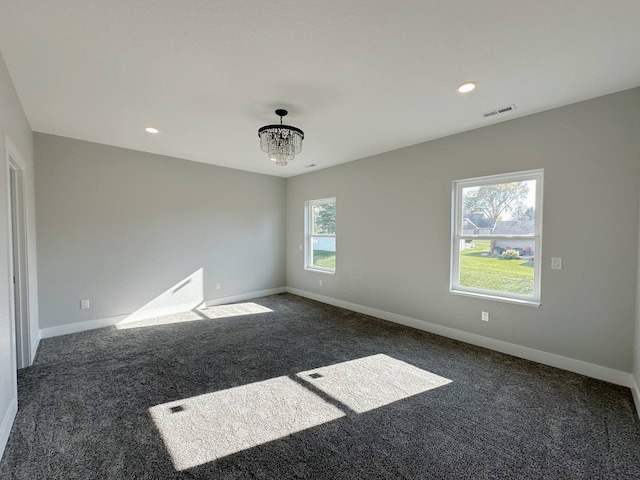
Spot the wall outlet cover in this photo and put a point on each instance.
(556, 263)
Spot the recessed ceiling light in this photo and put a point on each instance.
(466, 87)
(153, 130)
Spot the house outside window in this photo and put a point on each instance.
(496, 237)
(320, 235)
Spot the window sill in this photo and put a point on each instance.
(496, 298)
(319, 270)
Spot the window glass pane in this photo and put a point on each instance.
(486, 265)
(324, 252)
(499, 209)
(323, 219)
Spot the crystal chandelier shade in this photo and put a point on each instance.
(281, 142)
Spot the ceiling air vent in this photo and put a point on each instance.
(498, 111)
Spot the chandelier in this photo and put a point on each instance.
(281, 142)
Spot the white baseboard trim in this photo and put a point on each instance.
(34, 347)
(245, 296)
(577, 366)
(635, 391)
(7, 423)
(111, 321)
(68, 328)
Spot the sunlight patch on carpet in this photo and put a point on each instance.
(205, 428)
(201, 429)
(372, 382)
(200, 314)
(233, 310)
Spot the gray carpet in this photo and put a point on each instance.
(306, 390)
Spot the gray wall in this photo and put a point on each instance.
(13, 123)
(394, 228)
(121, 227)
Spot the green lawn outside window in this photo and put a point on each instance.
(480, 270)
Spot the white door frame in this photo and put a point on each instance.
(19, 291)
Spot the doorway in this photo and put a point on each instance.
(18, 257)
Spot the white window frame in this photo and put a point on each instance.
(457, 236)
(308, 237)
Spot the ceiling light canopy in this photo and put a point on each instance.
(281, 142)
(466, 87)
(153, 130)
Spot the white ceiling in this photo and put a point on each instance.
(360, 77)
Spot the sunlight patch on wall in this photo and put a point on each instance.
(372, 382)
(201, 429)
(207, 427)
(200, 314)
(185, 295)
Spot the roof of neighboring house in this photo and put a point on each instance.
(514, 227)
(481, 222)
(508, 227)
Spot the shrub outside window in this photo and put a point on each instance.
(496, 236)
(320, 235)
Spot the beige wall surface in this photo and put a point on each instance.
(394, 229)
(128, 230)
(14, 125)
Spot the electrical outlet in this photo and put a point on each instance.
(84, 304)
(320, 282)
(485, 316)
(218, 286)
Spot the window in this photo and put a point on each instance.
(320, 235)
(497, 228)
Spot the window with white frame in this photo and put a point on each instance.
(497, 233)
(320, 235)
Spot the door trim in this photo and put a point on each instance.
(19, 292)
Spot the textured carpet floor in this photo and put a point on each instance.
(304, 390)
